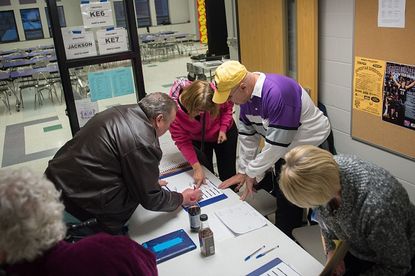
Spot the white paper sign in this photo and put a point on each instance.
(391, 13)
(97, 14)
(112, 41)
(78, 43)
(85, 110)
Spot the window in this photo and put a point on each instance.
(8, 29)
(142, 10)
(61, 15)
(32, 25)
(162, 11)
(120, 14)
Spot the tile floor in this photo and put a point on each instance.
(30, 137)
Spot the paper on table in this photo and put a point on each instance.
(220, 231)
(183, 181)
(241, 218)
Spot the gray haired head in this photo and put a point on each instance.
(31, 215)
(157, 103)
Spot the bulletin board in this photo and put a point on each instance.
(395, 45)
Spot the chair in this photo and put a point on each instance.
(263, 202)
(144, 52)
(309, 237)
(24, 82)
(4, 95)
(188, 44)
(43, 83)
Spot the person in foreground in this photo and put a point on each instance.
(32, 232)
(357, 202)
(278, 109)
(111, 165)
(201, 123)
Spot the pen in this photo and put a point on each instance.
(256, 251)
(266, 252)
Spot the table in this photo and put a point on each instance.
(201, 68)
(33, 60)
(230, 253)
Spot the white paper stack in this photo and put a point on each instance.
(241, 218)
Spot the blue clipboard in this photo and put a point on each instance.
(203, 202)
(170, 245)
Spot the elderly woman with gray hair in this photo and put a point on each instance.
(32, 233)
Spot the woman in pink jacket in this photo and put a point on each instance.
(202, 127)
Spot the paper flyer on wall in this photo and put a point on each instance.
(78, 42)
(112, 40)
(391, 13)
(85, 110)
(111, 83)
(367, 85)
(96, 14)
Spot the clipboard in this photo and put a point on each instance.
(274, 267)
(180, 180)
(170, 245)
(339, 253)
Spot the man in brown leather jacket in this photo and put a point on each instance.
(111, 165)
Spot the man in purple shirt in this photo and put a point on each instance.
(278, 109)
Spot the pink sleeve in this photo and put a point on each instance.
(226, 119)
(183, 141)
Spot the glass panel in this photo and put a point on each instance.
(4, 2)
(8, 30)
(98, 87)
(62, 20)
(162, 11)
(32, 24)
(292, 43)
(142, 10)
(120, 14)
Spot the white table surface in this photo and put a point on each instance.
(230, 253)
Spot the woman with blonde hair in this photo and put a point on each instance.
(355, 201)
(201, 127)
(32, 233)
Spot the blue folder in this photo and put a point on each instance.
(170, 245)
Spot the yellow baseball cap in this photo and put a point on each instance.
(228, 75)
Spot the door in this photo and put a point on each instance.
(98, 57)
(280, 36)
(262, 33)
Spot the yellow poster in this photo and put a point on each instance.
(368, 84)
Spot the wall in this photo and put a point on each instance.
(182, 15)
(335, 78)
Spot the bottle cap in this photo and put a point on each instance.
(203, 217)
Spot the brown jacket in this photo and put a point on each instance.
(111, 166)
